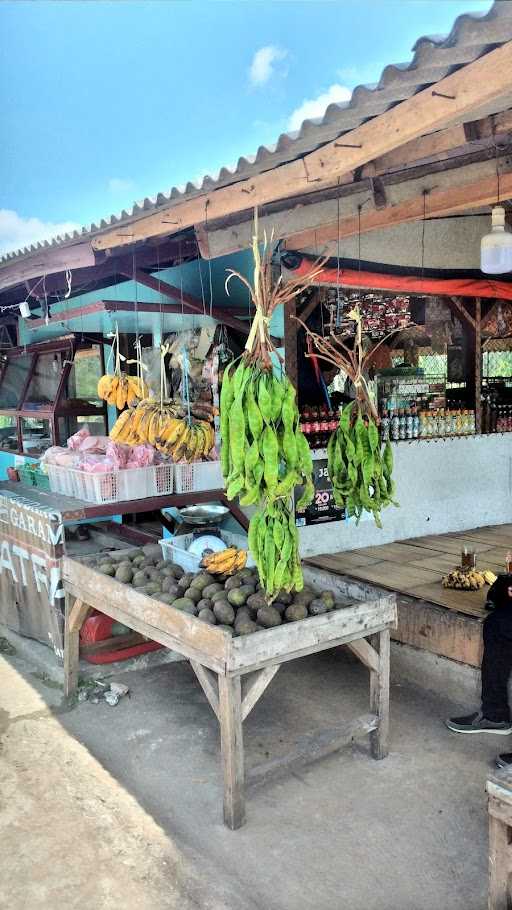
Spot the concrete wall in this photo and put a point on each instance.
(443, 485)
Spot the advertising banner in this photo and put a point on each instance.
(31, 590)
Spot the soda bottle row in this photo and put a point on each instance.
(408, 423)
(445, 422)
(496, 418)
(317, 424)
(403, 423)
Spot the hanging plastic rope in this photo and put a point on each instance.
(209, 255)
(184, 382)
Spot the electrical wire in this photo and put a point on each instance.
(423, 224)
(207, 203)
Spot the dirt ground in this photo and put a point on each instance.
(71, 834)
(121, 807)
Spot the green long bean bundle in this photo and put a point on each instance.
(360, 468)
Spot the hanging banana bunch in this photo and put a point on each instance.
(119, 389)
(264, 454)
(165, 427)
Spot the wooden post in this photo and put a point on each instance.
(232, 745)
(478, 365)
(499, 868)
(76, 611)
(290, 343)
(379, 697)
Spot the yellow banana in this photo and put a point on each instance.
(104, 384)
(112, 395)
(121, 394)
(224, 557)
(122, 423)
(176, 434)
(240, 559)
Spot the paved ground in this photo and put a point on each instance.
(134, 793)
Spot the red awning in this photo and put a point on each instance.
(403, 284)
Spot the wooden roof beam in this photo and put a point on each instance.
(439, 145)
(192, 303)
(449, 100)
(439, 203)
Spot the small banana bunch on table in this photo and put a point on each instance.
(120, 390)
(225, 562)
(468, 581)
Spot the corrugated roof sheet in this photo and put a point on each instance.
(434, 57)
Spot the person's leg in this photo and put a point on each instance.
(494, 716)
(496, 665)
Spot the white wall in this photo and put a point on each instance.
(442, 485)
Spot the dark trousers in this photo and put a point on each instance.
(497, 664)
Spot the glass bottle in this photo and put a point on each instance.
(415, 422)
(395, 427)
(402, 424)
(385, 427)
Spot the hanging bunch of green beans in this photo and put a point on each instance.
(274, 544)
(264, 455)
(359, 467)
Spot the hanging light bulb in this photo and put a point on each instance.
(496, 247)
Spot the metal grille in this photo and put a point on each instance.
(497, 364)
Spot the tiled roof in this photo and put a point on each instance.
(434, 57)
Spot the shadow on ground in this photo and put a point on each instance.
(406, 833)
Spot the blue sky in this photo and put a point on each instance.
(103, 103)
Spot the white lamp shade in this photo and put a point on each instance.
(496, 247)
(24, 309)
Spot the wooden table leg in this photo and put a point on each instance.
(232, 745)
(379, 696)
(499, 865)
(76, 611)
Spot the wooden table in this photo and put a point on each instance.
(234, 672)
(415, 567)
(499, 791)
(73, 510)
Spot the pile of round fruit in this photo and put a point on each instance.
(236, 604)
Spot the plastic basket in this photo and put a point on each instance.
(114, 486)
(200, 475)
(175, 549)
(41, 480)
(26, 474)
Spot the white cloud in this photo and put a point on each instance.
(315, 107)
(120, 185)
(16, 231)
(263, 63)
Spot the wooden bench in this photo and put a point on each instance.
(499, 790)
(234, 672)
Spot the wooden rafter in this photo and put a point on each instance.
(193, 304)
(458, 305)
(450, 100)
(459, 198)
(440, 144)
(124, 306)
